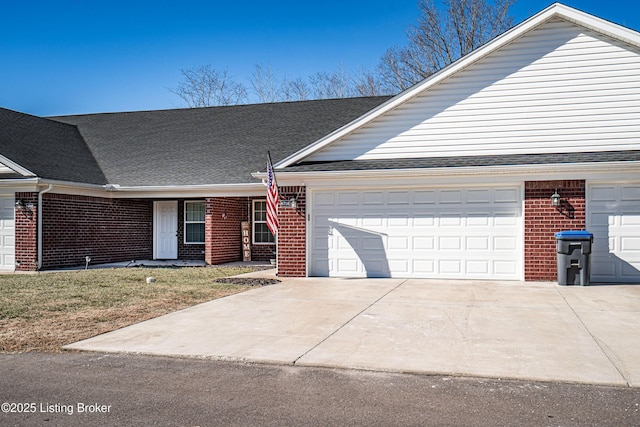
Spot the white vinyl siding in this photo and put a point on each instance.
(456, 233)
(558, 88)
(613, 216)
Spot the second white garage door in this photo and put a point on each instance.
(428, 233)
(614, 219)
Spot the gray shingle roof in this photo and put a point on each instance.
(216, 145)
(466, 161)
(47, 148)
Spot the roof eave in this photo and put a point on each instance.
(629, 169)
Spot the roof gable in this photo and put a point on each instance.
(510, 80)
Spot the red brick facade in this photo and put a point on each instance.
(111, 230)
(224, 216)
(541, 221)
(223, 241)
(292, 234)
(26, 233)
(107, 230)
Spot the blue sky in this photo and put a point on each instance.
(76, 56)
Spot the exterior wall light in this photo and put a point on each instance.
(293, 203)
(555, 199)
(21, 205)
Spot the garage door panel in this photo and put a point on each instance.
(418, 233)
(505, 268)
(422, 243)
(424, 267)
(614, 219)
(451, 196)
(505, 243)
(371, 198)
(629, 219)
(478, 220)
(630, 193)
(477, 243)
(478, 196)
(449, 243)
(427, 197)
(477, 267)
(450, 266)
(399, 197)
(422, 220)
(507, 195)
(630, 244)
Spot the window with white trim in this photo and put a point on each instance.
(194, 214)
(261, 233)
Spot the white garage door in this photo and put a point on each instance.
(427, 233)
(614, 219)
(7, 233)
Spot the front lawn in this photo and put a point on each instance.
(43, 312)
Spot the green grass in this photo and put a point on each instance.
(43, 312)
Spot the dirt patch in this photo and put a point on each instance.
(248, 281)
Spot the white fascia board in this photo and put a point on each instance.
(478, 174)
(26, 185)
(599, 25)
(554, 11)
(173, 191)
(116, 191)
(15, 167)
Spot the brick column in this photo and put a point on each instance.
(26, 233)
(541, 221)
(292, 234)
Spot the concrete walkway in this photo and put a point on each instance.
(536, 331)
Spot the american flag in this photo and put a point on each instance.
(272, 198)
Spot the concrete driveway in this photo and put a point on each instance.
(536, 331)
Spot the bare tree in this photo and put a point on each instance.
(337, 84)
(441, 36)
(367, 83)
(266, 84)
(295, 90)
(204, 86)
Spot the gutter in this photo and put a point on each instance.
(39, 225)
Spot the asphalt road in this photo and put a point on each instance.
(75, 389)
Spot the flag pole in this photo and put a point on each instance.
(273, 200)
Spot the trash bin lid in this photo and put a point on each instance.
(574, 234)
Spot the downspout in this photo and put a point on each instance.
(39, 225)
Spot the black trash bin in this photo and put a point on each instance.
(574, 257)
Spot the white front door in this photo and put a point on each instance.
(7, 233)
(461, 233)
(165, 230)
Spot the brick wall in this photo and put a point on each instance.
(541, 221)
(292, 242)
(223, 241)
(107, 230)
(26, 233)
